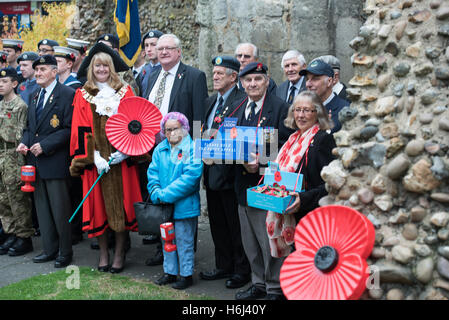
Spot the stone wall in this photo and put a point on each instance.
(393, 149)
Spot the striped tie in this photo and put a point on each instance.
(40, 104)
(161, 91)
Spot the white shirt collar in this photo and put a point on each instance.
(329, 99)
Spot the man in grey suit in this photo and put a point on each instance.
(292, 63)
(45, 143)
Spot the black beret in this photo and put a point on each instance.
(47, 59)
(48, 42)
(227, 62)
(152, 34)
(254, 67)
(9, 72)
(113, 39)
(119, 64)
(28, 56)
(319, 68)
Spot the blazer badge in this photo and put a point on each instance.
(54, 122)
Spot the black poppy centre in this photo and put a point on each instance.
(134, 127)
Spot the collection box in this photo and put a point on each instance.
(281, 178)
(233, 143)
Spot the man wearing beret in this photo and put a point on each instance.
(46, 143)
(260, 109)
(29, 85)
(15, 205)
(149, 42)
(230, 258)
(46, 46)
(320, 79)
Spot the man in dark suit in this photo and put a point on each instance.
(45, 143)
(175, 87)
(261, 109)
(230, 258)
(292, 62)
(320, 80)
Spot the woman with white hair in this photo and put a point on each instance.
(174, 177)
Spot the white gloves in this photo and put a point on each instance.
(117, 157)
(100, 163)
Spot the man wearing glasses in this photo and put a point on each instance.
(320, 79)
(45, 46)
(246, 53)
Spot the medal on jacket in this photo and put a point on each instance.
(54, 122)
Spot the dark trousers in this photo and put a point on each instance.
(225, 229)
(53, 207)
(76, 196)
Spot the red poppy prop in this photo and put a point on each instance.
(132, 130)
(332, 245)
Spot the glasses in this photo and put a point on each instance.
(166, 49)
(306, 111)
(240, 56)
(45, 50)
(170, 130)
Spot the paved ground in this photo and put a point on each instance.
(13, 269)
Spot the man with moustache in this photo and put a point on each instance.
(292, 63)
(230, 258)
(46, 143)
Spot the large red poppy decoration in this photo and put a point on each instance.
(133, 128)
(332, 245)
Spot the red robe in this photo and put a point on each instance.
(82, 145)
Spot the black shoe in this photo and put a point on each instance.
(183, 283)
(118, 270)
(151, 239)
(252, 293)
(271, 296)
(157, 260)
(237, 281)
(165, 279)
(105, 268)
(21, 247)
(215, 274)
(63, 261)
(3, 236)
(4, 248)
(43, 257)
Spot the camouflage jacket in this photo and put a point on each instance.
(13, 118)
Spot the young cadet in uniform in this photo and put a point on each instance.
(81, 46)
(29, 85)
(65, 58)
(14, 48)
(15, 205)
(149, 42)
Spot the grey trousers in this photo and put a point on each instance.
(53, 208)
(265, 269)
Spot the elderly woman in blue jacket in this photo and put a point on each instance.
(174, 177)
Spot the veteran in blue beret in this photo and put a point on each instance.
(231, 262)
(28, 85)
(320, 79)
(261, 109)
(46, 46)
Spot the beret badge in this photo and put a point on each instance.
(259, 67)
(218, 61)
(42, 60)
(3, 73)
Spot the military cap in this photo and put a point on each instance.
(48, 42)
(65, 52)
(47, 59)
(113, 39)
(9, 72)
(319, 68)
(13, 43)
(227, 62)
(79, 45)
(152, 34)
(3, 56)
(119, 64)
(253, 67)
(28, 56)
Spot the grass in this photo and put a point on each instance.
(89, 284)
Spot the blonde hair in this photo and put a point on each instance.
(322, 115)
(114, 80)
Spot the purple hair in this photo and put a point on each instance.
(181, 118)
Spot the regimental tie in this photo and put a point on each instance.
(252, 112)
(40, 104)
(292, 95)
(161, 90)
(218, 112)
